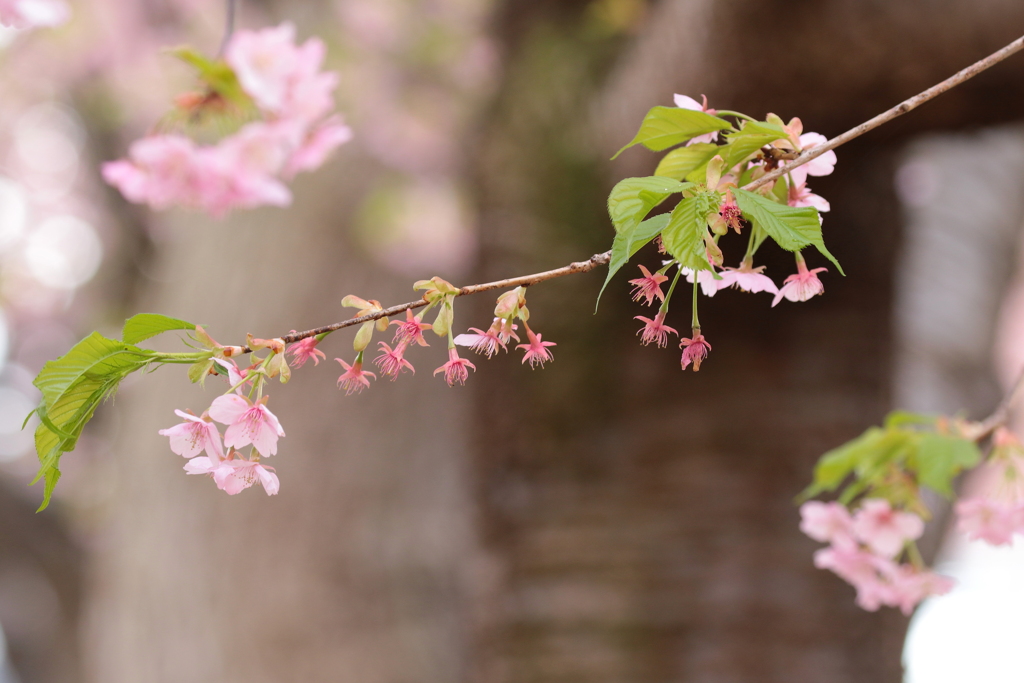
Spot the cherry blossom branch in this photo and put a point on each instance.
(1001, 415)
(990, 424)
(900, 109)
(521, 281)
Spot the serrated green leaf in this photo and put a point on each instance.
(665, 127)
(839, 463)
(93, 356)
(683, 237)
(145, 325)
(739, 146)
(627, 243)
(633, 198)
(939, 458)
(677, 163)
(792, 228)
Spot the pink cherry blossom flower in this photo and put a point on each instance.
(747, 278)
(827, 522)
(536, 349)
(820, 166)
(455, 370)
(800, 286)
(884, 529)
(695, 350)
(304, 350)
(247, 422)
(392, 362)
(236, 475)
(648, 287)
(987, 519)
(161, 170)
(354, 379)
(487, 342)
(410, 330)
(708, 284)
(236, 378)
(506, 330)
(655, 330)
(317, 146)
(731, 214)
(863, 570)
(264, 62)
(909, 586)
(684, 102)
(24, 14)
(194, 435)
(801, 195)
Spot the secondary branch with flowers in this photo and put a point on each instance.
(263, 112)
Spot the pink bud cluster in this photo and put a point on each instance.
(294, 132)
(27, 14)
(864, 551)
(511, 306)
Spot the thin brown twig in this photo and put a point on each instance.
(900, 109)
(996, 419)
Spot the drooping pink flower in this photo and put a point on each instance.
(731, 214)
(536, 349)
(648, 287)
(264, 62)
(456, 369)
(827, 522)
(392, 362)
(684, 102)
(487, 342)
(863, 570)
(800, 286)
(708, 284)
(304, 350)
(161, 170)
(655, 330)
(747, 278)
(884, 529)
(987, 519)
(247, 422)
(236, 377)
(801, 195)
(25, 14)
(354, 379)
(410, 330)
(236, 475)
(193, 436)
(695, 350)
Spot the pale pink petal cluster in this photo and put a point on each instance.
(747, 278)
(304, 350)
(801, 286)
(819, 166)
(410, 330)
(488, 342)
(863, 548)
(706, 278)
(392, 362)
(248, 168)
(685, 102)
(234, 473)
(801, 195)
(193, 436)
(247, 422)
(27, 14)
(989, 520)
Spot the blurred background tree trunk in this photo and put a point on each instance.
(609, 518)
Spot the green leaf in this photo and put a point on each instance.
(740, 145)
(903, 418)
(633, 198)
(683, 237)
(214, 73)
(73, 386)
(677, 163)
(792, 228)
(940, 458)
(145, 325)
(665, 127)
(627, 243)
(839, 463)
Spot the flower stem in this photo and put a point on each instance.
(671, 288)
(695, 323)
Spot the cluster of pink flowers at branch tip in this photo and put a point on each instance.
(28, 14)
(266, 76)
(996, 514)
(391, 360)
(801, 286)
(864, 551)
